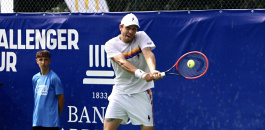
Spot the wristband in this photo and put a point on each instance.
(139, 73)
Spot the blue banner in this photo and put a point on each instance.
(229, 96)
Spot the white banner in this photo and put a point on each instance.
(86, 6)
(7, 6)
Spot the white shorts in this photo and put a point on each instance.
(138, 107)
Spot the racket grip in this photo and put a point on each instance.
(163, 74)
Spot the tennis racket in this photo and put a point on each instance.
(191, 65)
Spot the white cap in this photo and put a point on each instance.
(130, 19)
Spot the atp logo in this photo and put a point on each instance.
(99, 67)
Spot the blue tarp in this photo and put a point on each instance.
(229, 96)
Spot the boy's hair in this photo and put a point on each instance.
(43, 53)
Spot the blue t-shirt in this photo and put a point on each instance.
(46, 88)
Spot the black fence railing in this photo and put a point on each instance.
(125, 5)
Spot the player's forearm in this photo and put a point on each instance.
(150, 59)
(61, 105)
(151, 62)
(129, 67)
(61, 102)
(123, 63)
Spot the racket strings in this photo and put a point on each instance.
(198, 69)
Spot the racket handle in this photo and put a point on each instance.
(163, 74)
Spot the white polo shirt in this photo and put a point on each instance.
(126, 83)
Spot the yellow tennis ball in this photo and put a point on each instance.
(190, 63)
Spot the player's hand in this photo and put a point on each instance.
(147, 77)
(156, 75)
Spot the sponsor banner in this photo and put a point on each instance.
(228, 96)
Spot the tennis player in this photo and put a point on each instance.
(48, 95)
(135, 68)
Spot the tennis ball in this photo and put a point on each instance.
(190, 63)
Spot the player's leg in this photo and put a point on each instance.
(149, 95)
(112, 124)
(140, 110)
(147, 127)
(115, 113)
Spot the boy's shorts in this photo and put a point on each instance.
(138, 107)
